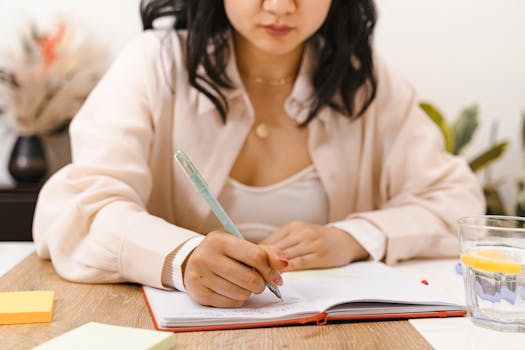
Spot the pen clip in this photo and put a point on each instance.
(185, 162)
(190, 170)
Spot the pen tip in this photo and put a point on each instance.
(275, 291)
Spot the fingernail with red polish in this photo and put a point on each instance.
(283, 259)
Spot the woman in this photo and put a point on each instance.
(314, 147)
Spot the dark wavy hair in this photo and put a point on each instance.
(345, 61)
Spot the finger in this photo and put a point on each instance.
(274, 237)
(240, 275)
(254, 256)
(281, 233)
(277, 259)
(207, 297)
(287, 242)
(298, 250)
(302, 262)
(202, 288)
(227, 289)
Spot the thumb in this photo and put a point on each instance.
(276, 258)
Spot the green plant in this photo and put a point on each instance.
(458, 135)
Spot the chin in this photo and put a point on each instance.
(277, 48)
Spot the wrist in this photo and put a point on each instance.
(368, 235)
(179, 262)
(174, 264)
(356, 251)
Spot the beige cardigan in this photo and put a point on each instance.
(123, 205)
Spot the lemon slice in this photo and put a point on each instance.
(491, 261)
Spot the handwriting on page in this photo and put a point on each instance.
(274, 309)
(259, 306)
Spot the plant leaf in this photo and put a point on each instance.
(440, 121)
(494, 202)
(486, 158)
(464, 127)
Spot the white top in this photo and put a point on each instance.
(258, 211)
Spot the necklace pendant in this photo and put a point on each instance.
(262, 131)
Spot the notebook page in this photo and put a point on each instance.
(177, 309)
(364, 282)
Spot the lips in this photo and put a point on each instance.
(277, 30)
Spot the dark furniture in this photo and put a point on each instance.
(17, 205)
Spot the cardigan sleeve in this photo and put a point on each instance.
(91, 218)
(422, 189)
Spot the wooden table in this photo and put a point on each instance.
(123, 304)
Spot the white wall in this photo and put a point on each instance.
(455, 52)
(113, 22)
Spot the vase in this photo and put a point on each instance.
(28, 162)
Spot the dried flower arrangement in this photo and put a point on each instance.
(45, 80)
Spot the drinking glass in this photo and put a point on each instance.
(493, 259)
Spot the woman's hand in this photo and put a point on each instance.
(308, 246)
(223, 270)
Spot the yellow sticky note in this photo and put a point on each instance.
(26, 307)
(94, 335)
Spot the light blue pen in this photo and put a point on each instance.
(202, 187)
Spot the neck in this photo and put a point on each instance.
(254, 62)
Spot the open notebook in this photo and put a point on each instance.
(365, 290)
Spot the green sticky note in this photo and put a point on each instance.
(95, 335)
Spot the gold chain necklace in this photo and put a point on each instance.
(273, 82)
(262, 130)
